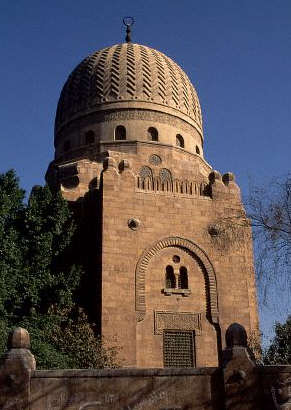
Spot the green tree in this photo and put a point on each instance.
(11, 216)
(39, 281)
(279, 351)
(50, 276)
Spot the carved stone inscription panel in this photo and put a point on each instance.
(177, 321)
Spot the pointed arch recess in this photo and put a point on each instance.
(188, 246)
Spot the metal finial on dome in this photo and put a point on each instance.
(128, 22)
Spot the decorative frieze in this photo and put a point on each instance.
(177, 321)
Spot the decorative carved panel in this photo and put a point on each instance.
(177, 321)
(146, 172)
(165, 175)
(155, 159)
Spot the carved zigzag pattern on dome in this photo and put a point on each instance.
(130, 70)
(173, 76)
(127, 72)
(98, 78)
(160, 79)
(146, 72)
(113, 86)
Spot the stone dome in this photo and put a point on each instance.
(131, 76)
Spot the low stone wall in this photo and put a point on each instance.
(275, 383)
(237, 385)
(130, 389)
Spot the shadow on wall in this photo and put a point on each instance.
(237, 384)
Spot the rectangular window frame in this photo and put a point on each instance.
(170, 362)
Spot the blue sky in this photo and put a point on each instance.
(237, 54)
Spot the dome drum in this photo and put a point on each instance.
(136, 123)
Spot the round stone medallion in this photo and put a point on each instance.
(155, 159)
(133, 224)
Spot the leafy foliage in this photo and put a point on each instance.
(75, 335)
(11, 214)
(279, 351)
(39, 281)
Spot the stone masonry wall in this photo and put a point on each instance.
(161, 216)
(237, 385)
(149, 194)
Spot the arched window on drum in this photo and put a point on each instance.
(153, 134)
(120, 133)
(180, 141)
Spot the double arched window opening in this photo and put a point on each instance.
(177, 279)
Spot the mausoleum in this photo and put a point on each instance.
(170, 267)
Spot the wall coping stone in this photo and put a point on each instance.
(125, 372)
(279, 368)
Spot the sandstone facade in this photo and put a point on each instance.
(174, 268)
